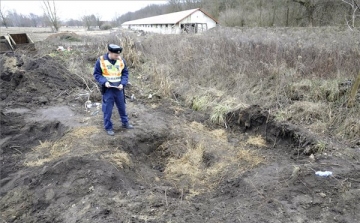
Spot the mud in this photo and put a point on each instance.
(58, 164)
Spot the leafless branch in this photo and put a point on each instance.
(51, 13)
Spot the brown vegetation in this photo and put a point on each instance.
(301, 75)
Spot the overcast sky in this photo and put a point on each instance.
(107, 10)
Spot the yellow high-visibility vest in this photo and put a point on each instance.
(112, 72)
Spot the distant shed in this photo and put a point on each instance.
(189, 21)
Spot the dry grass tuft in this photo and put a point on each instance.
(350, 129)
(219, 134)
(48, 151)
(189, 164)
(306, 112)
(10, 64)
(219, 112)
(84, 132)
(251, 158)
(200, 103)
(119, 158)
(205, 158)
(257, 141)
(197, 126)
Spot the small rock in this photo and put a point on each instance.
(132, 98)
(91, 188)
(322, 194)
(312, 158)
(43, 100)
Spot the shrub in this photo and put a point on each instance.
(106, 26)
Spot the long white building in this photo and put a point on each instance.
(189, 21)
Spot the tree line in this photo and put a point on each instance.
(264, 13)
(260, 13)
(14, 19)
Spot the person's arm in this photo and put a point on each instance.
(98, 74)
(124, 75)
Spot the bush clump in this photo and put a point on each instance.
(106, 26)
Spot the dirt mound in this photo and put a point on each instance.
(29, 81)
(81, 179)
(68, 36)
(17, 138)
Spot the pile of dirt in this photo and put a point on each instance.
(28, 81)
(18, 138)
(67, 36)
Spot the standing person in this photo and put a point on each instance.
(112, 74)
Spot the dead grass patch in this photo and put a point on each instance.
(350, 128)
(219, 134)
(162, 80)
(119, 158)
(10, 64)
(76, 138)
(257, 141)
(306, 112)
(277, 72)
(251, 158)
(206, 158)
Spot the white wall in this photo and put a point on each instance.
(162, 29)
(198, 17)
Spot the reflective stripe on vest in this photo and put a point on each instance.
(111, 72)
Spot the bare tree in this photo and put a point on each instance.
(73, 22)
(89, 21)
(3, 18)
(51, 13)
(310, 9)
(34, 19)
(98, 20)
(354, 12)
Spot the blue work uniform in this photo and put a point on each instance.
(112, 95)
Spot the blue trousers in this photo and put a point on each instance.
(111, 96)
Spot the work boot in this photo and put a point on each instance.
(127, 126)
(110, 132)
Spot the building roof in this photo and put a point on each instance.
(171, 18)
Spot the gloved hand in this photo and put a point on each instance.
(107, 84)
(120, 87)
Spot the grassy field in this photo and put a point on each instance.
(300, 75)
